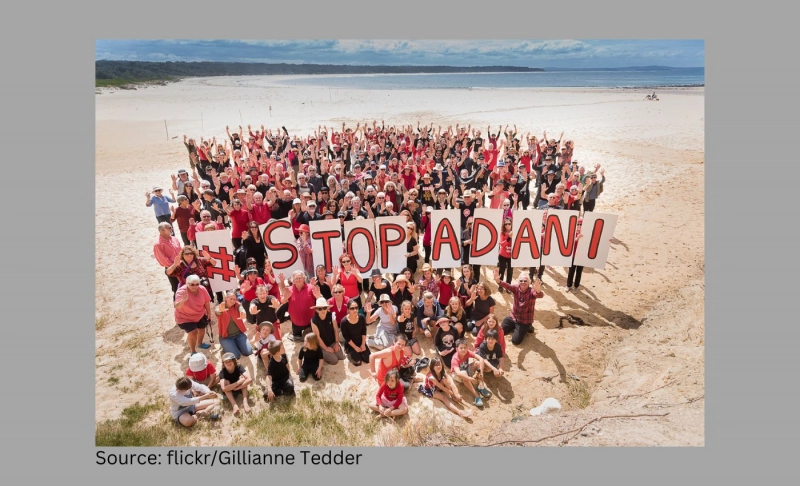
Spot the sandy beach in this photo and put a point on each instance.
(642, 351)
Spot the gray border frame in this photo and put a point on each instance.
(48, 423)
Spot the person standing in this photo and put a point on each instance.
(167, 249)
(593, 189)
(160, 204)
(520, 321)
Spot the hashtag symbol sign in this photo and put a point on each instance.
(225, 259)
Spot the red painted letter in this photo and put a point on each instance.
(564, 246)
(439, 240)
(385, 243)
(326, 237)
(370, 244)
(525, 235)
(278, 246)
(477, 223)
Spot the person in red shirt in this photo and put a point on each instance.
(182, 213)
(390, 401)
(301, 298)
(504, 263)
(470, 372)
(240, 218)
(201, 371)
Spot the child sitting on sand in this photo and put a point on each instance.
(310, 358)
(264, 336)
(491, 351)
(201, 371)
(439, 385)
(279, 378)
(187, 398)
(234, 380)
(470, 373)
(390, 401)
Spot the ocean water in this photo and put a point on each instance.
(638, 78)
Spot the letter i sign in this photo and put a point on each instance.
(224, 260)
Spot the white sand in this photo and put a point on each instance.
(653, 154)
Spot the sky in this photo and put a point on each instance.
(564, 53)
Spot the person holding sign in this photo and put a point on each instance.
(520, 321)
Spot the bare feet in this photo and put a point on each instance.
(465, 413)
(245, 406)
(235, 410)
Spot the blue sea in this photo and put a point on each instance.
(633, 78)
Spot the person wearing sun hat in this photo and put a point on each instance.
(327, 332)
(386, 315)
(160, 203)
(200, 370)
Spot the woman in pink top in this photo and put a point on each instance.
(192, 310)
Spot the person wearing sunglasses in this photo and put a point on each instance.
(349, 277)
(192, 311)
(520, 320)
(354, 332)
(504, 262)
(386, 315)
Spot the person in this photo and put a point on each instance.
(326, 331)
(354, 332)
(187, 398)
(279, 378)
(349, 277)
(491, 351)
(406, 325)
(575, 271)
(323, 281)
(379, 286)
(402, 291)
(504, 263)
(240, 221)
(447, 287)
(300, 298)
(254, 246)
(458, 317)
(464, 286)
(428, 282)
(262, 338)
(192, 311)
(386, 315)
(470, 373)
(250, 282)
(230, 325)
(200, 370)
(520, 321)
(445, 340)
(439, 385)
(182, 214)
(466, 243)
(305, 253)
(412, 247)
(191, 263)
(387, 359)
(390, 401)
(160, 204)
(309, 359)
(428, 312)
(483, 305)
(338, 302)
(234, 380)
(593, 189)
(167, 249)
(263, 308)
(491, 323)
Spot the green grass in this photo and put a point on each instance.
(113, 380)
(118, 82)
(306, 420)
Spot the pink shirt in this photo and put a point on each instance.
(300, 305)
(166, 249)
(455, 363)
(193, 309)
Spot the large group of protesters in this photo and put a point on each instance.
(379, 321)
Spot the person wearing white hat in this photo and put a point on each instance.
(160, 204)
(327, 332)
(200, 370)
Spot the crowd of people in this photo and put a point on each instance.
(369, 171)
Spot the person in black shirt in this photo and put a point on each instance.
(234, 380)
(327, 332)
(378, 286)
(279, 378)
(491, 351)
(283, 205)
(445, 340)
(263, 308)
(354, 332)
(310, 359)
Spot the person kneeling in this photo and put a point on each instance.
(187, 398)
(390, 401)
